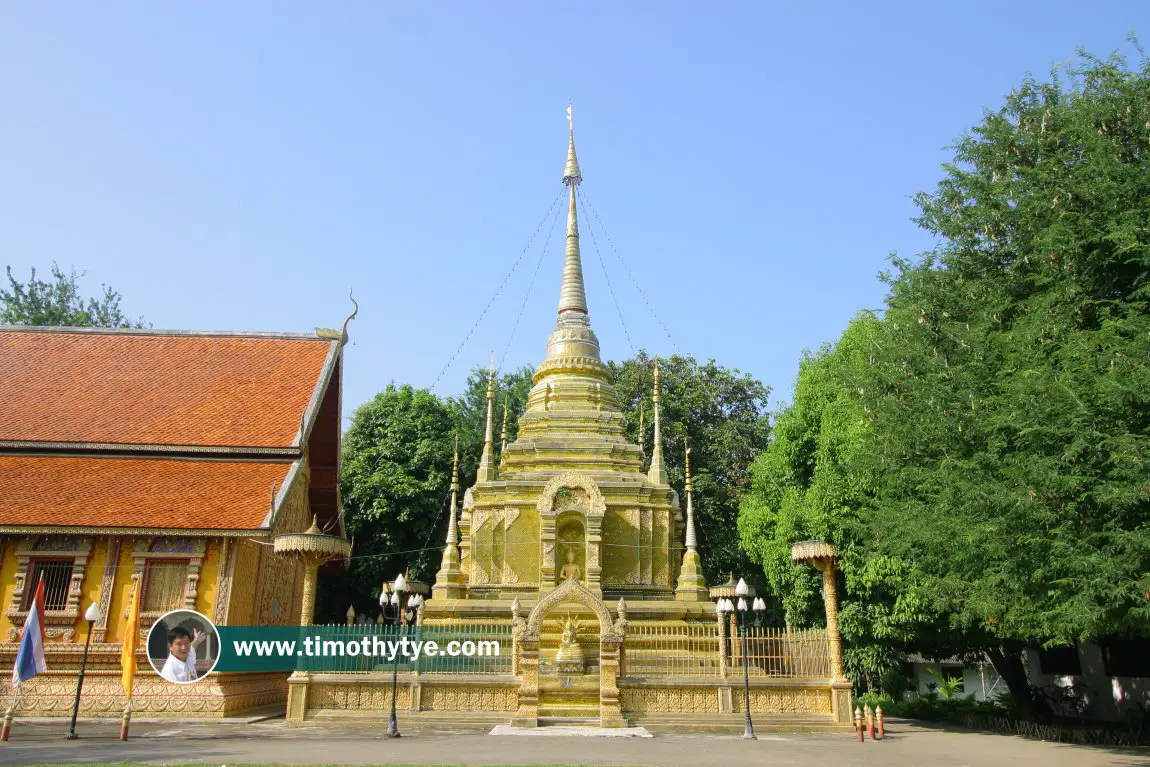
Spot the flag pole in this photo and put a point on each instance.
(125, 720)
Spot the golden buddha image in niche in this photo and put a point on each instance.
(570, 568)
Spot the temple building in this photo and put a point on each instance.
(159, 462)
(574, 548)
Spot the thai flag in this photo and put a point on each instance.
(30, 657)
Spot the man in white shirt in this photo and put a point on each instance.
(181, 664)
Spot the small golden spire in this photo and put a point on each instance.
(657, 473)
(691, 544)
(503, 432)
(449, 579)
(452, 525)
(487, 462)
(642, 423)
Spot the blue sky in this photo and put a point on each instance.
(242, 165)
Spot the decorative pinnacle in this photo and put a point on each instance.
(691, 543)
(572, 295)
(657, 473)
(487, 462)
(571, 174)
(503, 433)
(452, 525)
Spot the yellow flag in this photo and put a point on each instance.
(131, 639)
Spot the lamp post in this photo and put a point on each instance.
(742, 590)
(397, 590)
(92, 615)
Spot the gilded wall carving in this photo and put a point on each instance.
(786, 701)
(53, 693)
(468, 698)
(698, 700)
(351, 696)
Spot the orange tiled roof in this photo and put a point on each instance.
(65, 491)
(156, 388)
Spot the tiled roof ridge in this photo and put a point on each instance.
(33, 447)
(68, 329)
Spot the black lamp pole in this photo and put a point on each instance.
(748, 727)
(397, 604)
(91, 616)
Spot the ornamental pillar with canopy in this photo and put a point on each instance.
(821, 555)
(314, 547)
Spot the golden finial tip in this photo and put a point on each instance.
(571, 174)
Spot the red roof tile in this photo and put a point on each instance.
(69, 491)
(156, 389)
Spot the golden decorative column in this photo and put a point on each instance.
(822, 556)
(314, 547)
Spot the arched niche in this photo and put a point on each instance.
(570, 501)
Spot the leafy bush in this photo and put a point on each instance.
(874, 700)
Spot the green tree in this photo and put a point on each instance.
(1016, 417)
(395, 485)
(724, 413)
(997, 474)
(809, 483)
(59, 302)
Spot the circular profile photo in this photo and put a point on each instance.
(183, 646)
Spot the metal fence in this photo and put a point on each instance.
(659, 649)
(781, 652)
(479, 648)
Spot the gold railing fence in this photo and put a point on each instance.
(781, 652)
(476, 632)
(656, 649)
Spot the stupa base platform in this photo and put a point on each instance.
(475, 701)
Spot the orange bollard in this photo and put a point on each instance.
(858, 724)
(869, 721)
(879, 722)
(7, 726)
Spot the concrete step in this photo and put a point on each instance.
(569, 721)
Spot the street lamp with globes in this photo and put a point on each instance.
(397, 589)
(742, 591)
(92, 615)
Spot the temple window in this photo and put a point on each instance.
(164, 582)
(167, 569)
(62, 560)
(57, 575)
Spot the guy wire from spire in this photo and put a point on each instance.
(531, 286)
(498, 290)
(630, 274)
(607, 277)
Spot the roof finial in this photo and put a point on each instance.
(657, 473)
(350, 317)
(487, 462)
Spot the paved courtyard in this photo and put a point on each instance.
(42, 742)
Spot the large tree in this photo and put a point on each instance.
(60, 302)
(395, 482)
(1004, 395)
